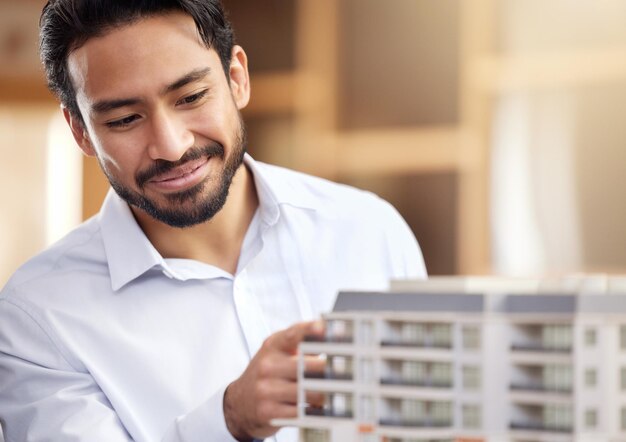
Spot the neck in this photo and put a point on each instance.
(218, 241)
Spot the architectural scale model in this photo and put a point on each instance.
(469, 360)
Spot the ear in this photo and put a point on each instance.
(239, 77)
(80, 133)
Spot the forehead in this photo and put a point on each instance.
(139, 58)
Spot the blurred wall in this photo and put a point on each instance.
(558, 138)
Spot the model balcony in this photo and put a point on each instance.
(417, 335)
(416, 423)
(416, 373)
(542, 338)
(416, 413)
(424, 383)
(417, 344)
(546, 418)
(541, 388)
(325, 412)
(526, 426)
(540, 348)
(330, 339)
(335, 404)
(328, 375)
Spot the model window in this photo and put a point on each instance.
(338, 367)
(472, 416)
(590, 337)
(414, 372)
(558, 417)
(441, 413)
(623, 378)
(591, 377)
(412, 411)
(622, 337)
(557, 337)
(471, 337)
(471, 377)
(315, 435)
(413, 333)
(557, 377)
(442, 335)
(441, 374)
(591, 418)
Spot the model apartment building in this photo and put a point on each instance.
(469, 360)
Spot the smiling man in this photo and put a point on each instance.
(176, 312)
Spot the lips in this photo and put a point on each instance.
(181, 171)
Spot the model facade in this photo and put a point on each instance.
(471, 360)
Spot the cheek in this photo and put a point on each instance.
(118, 160)
(213, 124)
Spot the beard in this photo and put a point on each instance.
(192, 206)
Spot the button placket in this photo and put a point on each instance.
(251, 318)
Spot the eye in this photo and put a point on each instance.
(190, 99)
(122, 122)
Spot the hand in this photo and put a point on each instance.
(268, 389)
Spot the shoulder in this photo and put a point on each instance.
(327, 197)
(349, 218)
(79, 251)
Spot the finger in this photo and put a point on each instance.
(282, 411)
(270, 412)
(278, 391)
(287, 367)
(314, 363)
(287, 393)
(287, 340)
(315, 399)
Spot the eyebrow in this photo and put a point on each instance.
(103, 106)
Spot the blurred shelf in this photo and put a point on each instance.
(399, 150)
(499, 74)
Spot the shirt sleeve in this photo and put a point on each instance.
(41, 395)
(205, 423)
(45, 397)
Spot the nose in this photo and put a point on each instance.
(170, 138)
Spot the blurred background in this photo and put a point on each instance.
(494, 127)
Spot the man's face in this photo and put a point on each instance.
(161, 117)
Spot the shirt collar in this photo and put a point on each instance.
(276, 186)
(129, 252)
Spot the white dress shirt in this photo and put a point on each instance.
(103, 339)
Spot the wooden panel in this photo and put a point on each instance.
(398, 63)
(22, 91)
(265, 32)
(95, 186)
(271, 94)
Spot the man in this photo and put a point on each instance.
(176, 312)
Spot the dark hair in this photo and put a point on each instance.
(65, 25)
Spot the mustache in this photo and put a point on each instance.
(162, 166)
